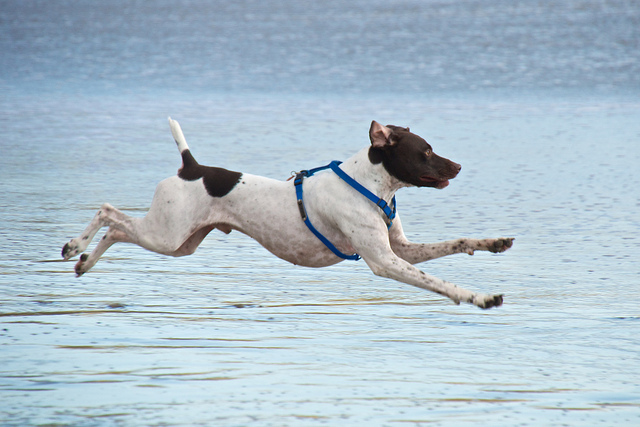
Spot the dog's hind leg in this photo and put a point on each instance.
(79, 244)
(122, 228)
(112, 236)
(171, 226)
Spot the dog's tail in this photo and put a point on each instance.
(176, 131)
(188, 161)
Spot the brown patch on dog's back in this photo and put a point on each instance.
(217, 181)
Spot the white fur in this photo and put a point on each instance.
(178, 136)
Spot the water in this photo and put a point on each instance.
(537, 100)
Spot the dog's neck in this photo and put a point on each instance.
(373, 177)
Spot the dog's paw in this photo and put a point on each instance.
(500, 245)
(79, 268)
(487, 301)
(75, 246)
(69, 250)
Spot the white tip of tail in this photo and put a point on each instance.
(176, 131)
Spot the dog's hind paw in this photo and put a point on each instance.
(501, 244)
(79, 268)
(69, 250)
(487, 301)
(75, 246)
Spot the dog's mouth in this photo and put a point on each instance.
(430, 181)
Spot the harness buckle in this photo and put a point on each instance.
(303, 211)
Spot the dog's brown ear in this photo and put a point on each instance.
(380, 136)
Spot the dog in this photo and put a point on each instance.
(345, 213)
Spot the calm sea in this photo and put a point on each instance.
(538, 100)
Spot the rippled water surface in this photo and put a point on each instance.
(537, 100)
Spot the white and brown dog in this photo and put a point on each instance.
(344, 212)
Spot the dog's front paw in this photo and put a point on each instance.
(500, 245)
(487, 301)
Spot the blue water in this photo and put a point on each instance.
(539, 102)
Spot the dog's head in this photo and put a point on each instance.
(409, 158)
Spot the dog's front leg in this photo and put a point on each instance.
(375, 250)
(396, 268)
(419, 252)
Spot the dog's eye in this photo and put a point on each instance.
(427, 153)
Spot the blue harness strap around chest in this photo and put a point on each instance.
(381, 203)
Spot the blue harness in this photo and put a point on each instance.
(389, 212)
